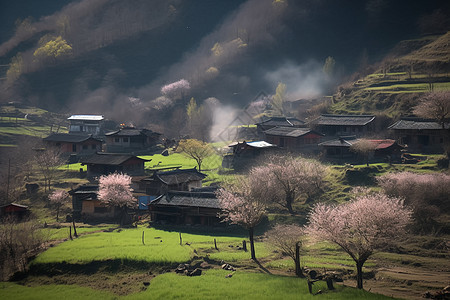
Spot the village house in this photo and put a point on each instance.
(421, 135)
(74, 143)
(177, 180)
(341, 125)
(294, 139)
(244, 153)
(86, 124)
(14, 210)
(190, 208)
(341, 149)
(131, 140)
(86, 206)
(107, 163)
(278, 122)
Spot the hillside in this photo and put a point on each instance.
(393, 86)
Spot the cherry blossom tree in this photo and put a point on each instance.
(360, 226)
(286, 178)
(288, 239)
(427, 194)
(244, 203)
(58, 198)
(114, 190)
(176, 89)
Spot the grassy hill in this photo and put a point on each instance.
(393, 86)
(18, 121)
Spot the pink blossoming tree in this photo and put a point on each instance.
(244, 203)
(360, 226)
(287, 178)
(114, 190)
(176, 89)
(57, 199)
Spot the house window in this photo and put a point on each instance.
(74, 147)
(125, 140)
(85, 147)
(94, 147)
(116, 140)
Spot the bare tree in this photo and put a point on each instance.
(435, 105)
(243, 203)
(288, 239)
(364, 147)
(360, 226)
(48, 160)
(58, 198)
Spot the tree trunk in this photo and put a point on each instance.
(359, 274)
(289, 201)
(252, 243)
(298, 269)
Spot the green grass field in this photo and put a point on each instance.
(211, 285)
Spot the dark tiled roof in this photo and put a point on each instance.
(131, 131)
(69, 138)
(417, 124)
(180, 176)
(108, 159)
(191, 199)
(282, 121)
(289, 131)
(352, 120)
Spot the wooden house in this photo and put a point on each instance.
(74, 143)
(131, 140)
(340, 149)
(344, 125)
(243, 154)
(107, 163)
(86, 206)
(421, 135)
(278, 122)
(190, 208)
(176, 180)
(86, 124)
(14, 210)
(294, 139)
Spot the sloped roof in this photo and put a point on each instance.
(289, 131)
(109, 159)
(349, 141)
(350, 120)
(14, 204)
(69, 138)
(254, 144)
(188, 199)
(282, 121)
(131, 131)
(86, 117)
(180, 176)
(417, 124)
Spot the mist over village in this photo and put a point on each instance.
(245, 149)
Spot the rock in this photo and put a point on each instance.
(146, 283)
